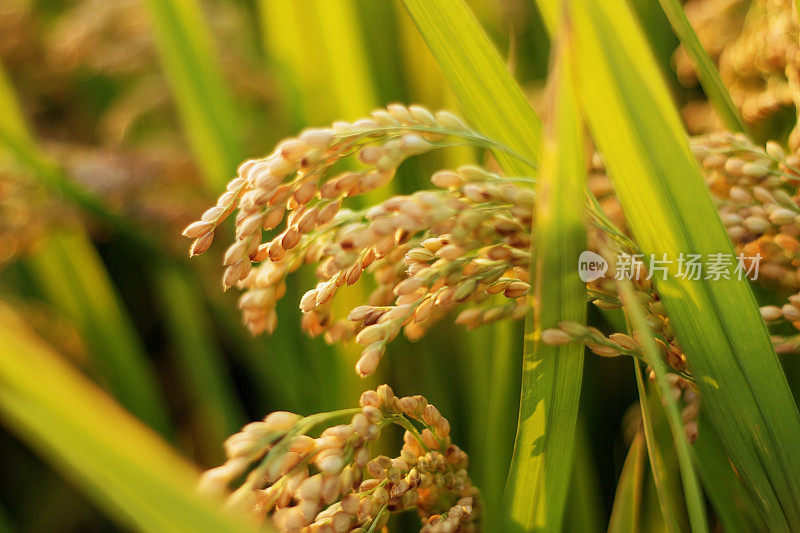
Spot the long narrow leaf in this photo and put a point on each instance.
(121, 465)
(670, 212)
(76, 282)
(192, 68)
(707, 73)
(499, 427)
(628, 498)
(489, 97)
(586, 509)
(495, 105)
(734, 508)
(541, 465)
(217, 413)
(665, 484)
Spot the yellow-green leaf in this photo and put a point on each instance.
(489, 97)
(707, 73)
(74, 279)
(628, 498)
(121, 465)
(551, 376)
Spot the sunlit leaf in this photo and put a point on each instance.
(706, 71)
(670, 212)
(121, 465)
(551, 376)
(191, 64)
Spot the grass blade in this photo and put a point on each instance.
(192, 68)
(551, 377)
(348, 73)
(137, 479)
(691, 486)
(216, 410)
(498, 428)
(670, 211)
(493, 102)
(667, 492)
(489, 97)
(74, 279)
(734, 508)
(628, 499)
(77, 282)
(586, 510)
(318, 47)
(707, 73)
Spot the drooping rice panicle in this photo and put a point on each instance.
(301, 483)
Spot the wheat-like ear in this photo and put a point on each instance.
(297, 481)
(429, 251)
(462, 243)
(467, 240)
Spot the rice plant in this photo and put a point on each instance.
(433, 221)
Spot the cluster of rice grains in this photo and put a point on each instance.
(754, 43)
(305, 484)
(756, 191)
(467, 240)
(428, 252)
(25, 215)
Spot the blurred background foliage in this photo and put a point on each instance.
(120, 120)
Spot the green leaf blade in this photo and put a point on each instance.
(670, 211)
(191, 65)
(490, 98)
(74, 279)
(628, 498)
(541, 466)
(706, 71)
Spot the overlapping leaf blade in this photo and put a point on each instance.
(210, 117)
(489, 97)
(627, 500)
(706, 71)
(670, 211)
(541, 466)
(73, 278)
(77, 282)
(495, 105)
